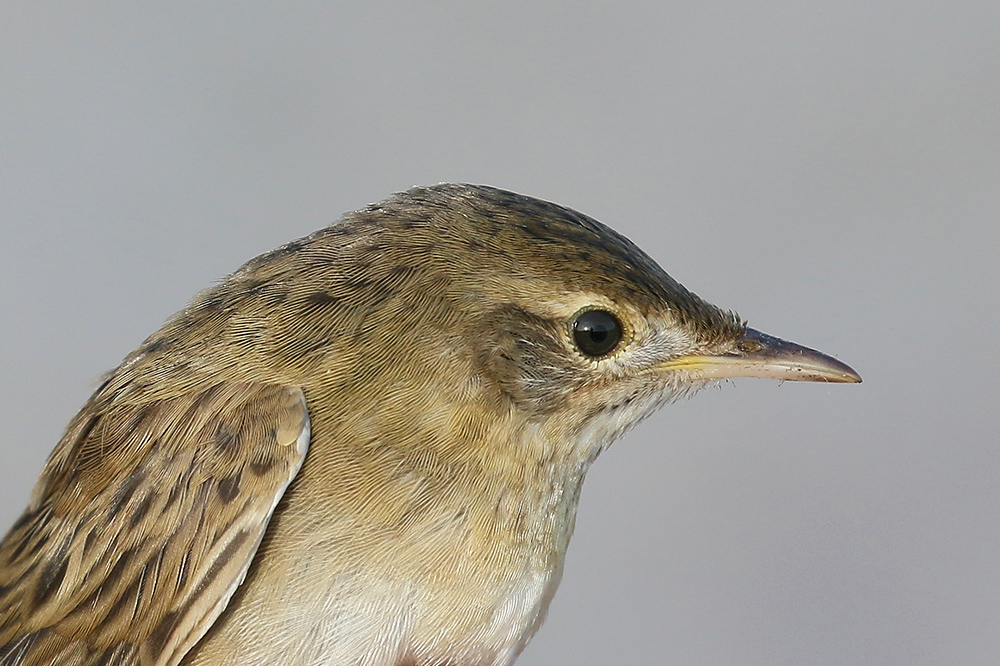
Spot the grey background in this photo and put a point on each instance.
(829, 169)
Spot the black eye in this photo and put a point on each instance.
(597, 332)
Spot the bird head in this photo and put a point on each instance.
(577, 326)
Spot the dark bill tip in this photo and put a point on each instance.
(767, 357)
(775, 358)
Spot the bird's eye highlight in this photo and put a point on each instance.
(597, 332)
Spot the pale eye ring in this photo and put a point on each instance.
(597, 333)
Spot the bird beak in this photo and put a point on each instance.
(760, 355)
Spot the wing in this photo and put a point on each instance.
(144, 523)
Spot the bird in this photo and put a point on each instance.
(365, 447)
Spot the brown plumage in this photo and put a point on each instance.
(444, 366)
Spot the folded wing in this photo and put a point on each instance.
(144, 523)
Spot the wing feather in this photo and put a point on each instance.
(144, 523)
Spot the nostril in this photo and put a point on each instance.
(749, 346)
